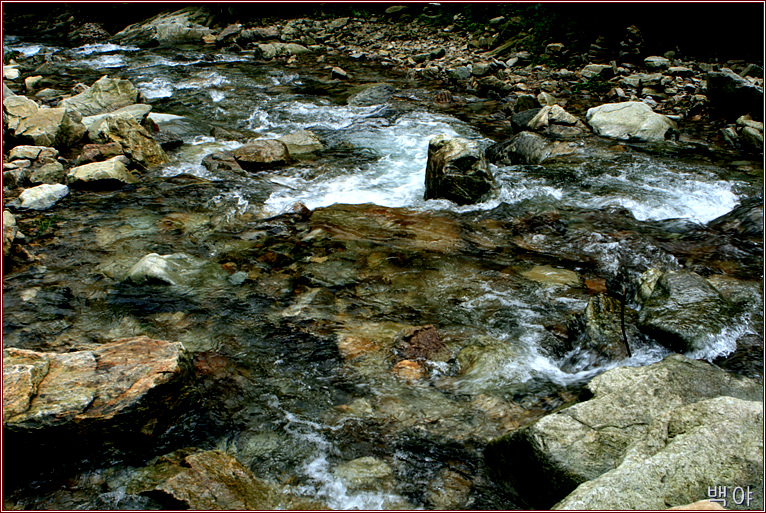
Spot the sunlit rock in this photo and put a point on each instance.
(43, 196)
(177, 269)
(302, 141)
(108, 173)
(457, 171)
(182, 26)
(630, 120)
(262, 154)
(105, 95)
(136, 142)
(366, 474)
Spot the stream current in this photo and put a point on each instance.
(285, 402)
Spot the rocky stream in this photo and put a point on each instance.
(314, 264)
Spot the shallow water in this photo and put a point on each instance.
(288, 402)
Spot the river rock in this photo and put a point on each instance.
(105, 95)
(211, 480)
(262, 154)
(117, 386)
(57, 127)
(98, 152)
(302, 141)
(655, 62)
(731, 95)
(221, 161)
(9, 231)
(527, 148)
(421, 343)
(182, 26)
(137, 143)
(105, 174)
(138, 112)
(630, 120)
(178, 269)
(50, 173)
(366, 474)
(683, 311)
(716, 440)
(41, 154)
(631, 409)
(269, 51)
(373, 95)
(457, 171)
(603, 71)
(746, 219)
(43, 196)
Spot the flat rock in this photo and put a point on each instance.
(258, 155)
(109, 172)
(302, 141)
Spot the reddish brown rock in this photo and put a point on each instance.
(421, 343)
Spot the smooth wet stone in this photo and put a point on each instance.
(457, 171)
(366, 474)
(552, 275)
(684, 312)
(43, 196)
(527, 148)
(303, 141)
(177, 269)
(262, 154)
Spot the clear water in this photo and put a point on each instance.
(378, 155)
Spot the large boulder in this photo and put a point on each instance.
(262, 154)
(109, 173)
(105, 95)
(137, 143)
(457, 171)
(630, 120)
(683, 311)
(746, 219)
(717, 441)
(182, 26)
(527, 148)
(731, 95)
(59, 127)
(137, 111)
(63, 407)
(631, 409)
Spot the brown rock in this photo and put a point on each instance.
(351, 347)
(704, 505)
(409, 371)
(421, 343)
(259, 155)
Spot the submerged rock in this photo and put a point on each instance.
(177, 269)
(684, 312)
(628, 419)
(105, 95)
(630, 120)
(366, 474)
(211, 480)
(457, 171)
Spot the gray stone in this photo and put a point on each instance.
(731, 95)
(182, 26)
(753, 137)
(527, 148)
(178, 269)
(43, 196)
(630, 120)
(461, 73)
(135, 140)
(43, 153)
(457, 171)
(108, 172)
(683, 311)
(9, 231)
(373, 95)
(597, 70)
(717, 441)
(656, 62)
(105, 95)
(631, 409)
(641, 80)
(303, 141)
(50, 173)
(138, 112)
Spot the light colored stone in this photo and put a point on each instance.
(9, 231)
(630, 120)
(43, 196)
(33, 153)
(182, 26)
(703, 505)
(11, 72)
(105, 95)
(656, 62)
(138, 112)
(109, 170)
(303, 141)
(366, 474)
(137, 144)
(553, 276)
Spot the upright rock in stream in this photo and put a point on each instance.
(457, 171)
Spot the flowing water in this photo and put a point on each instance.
(282, 393)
